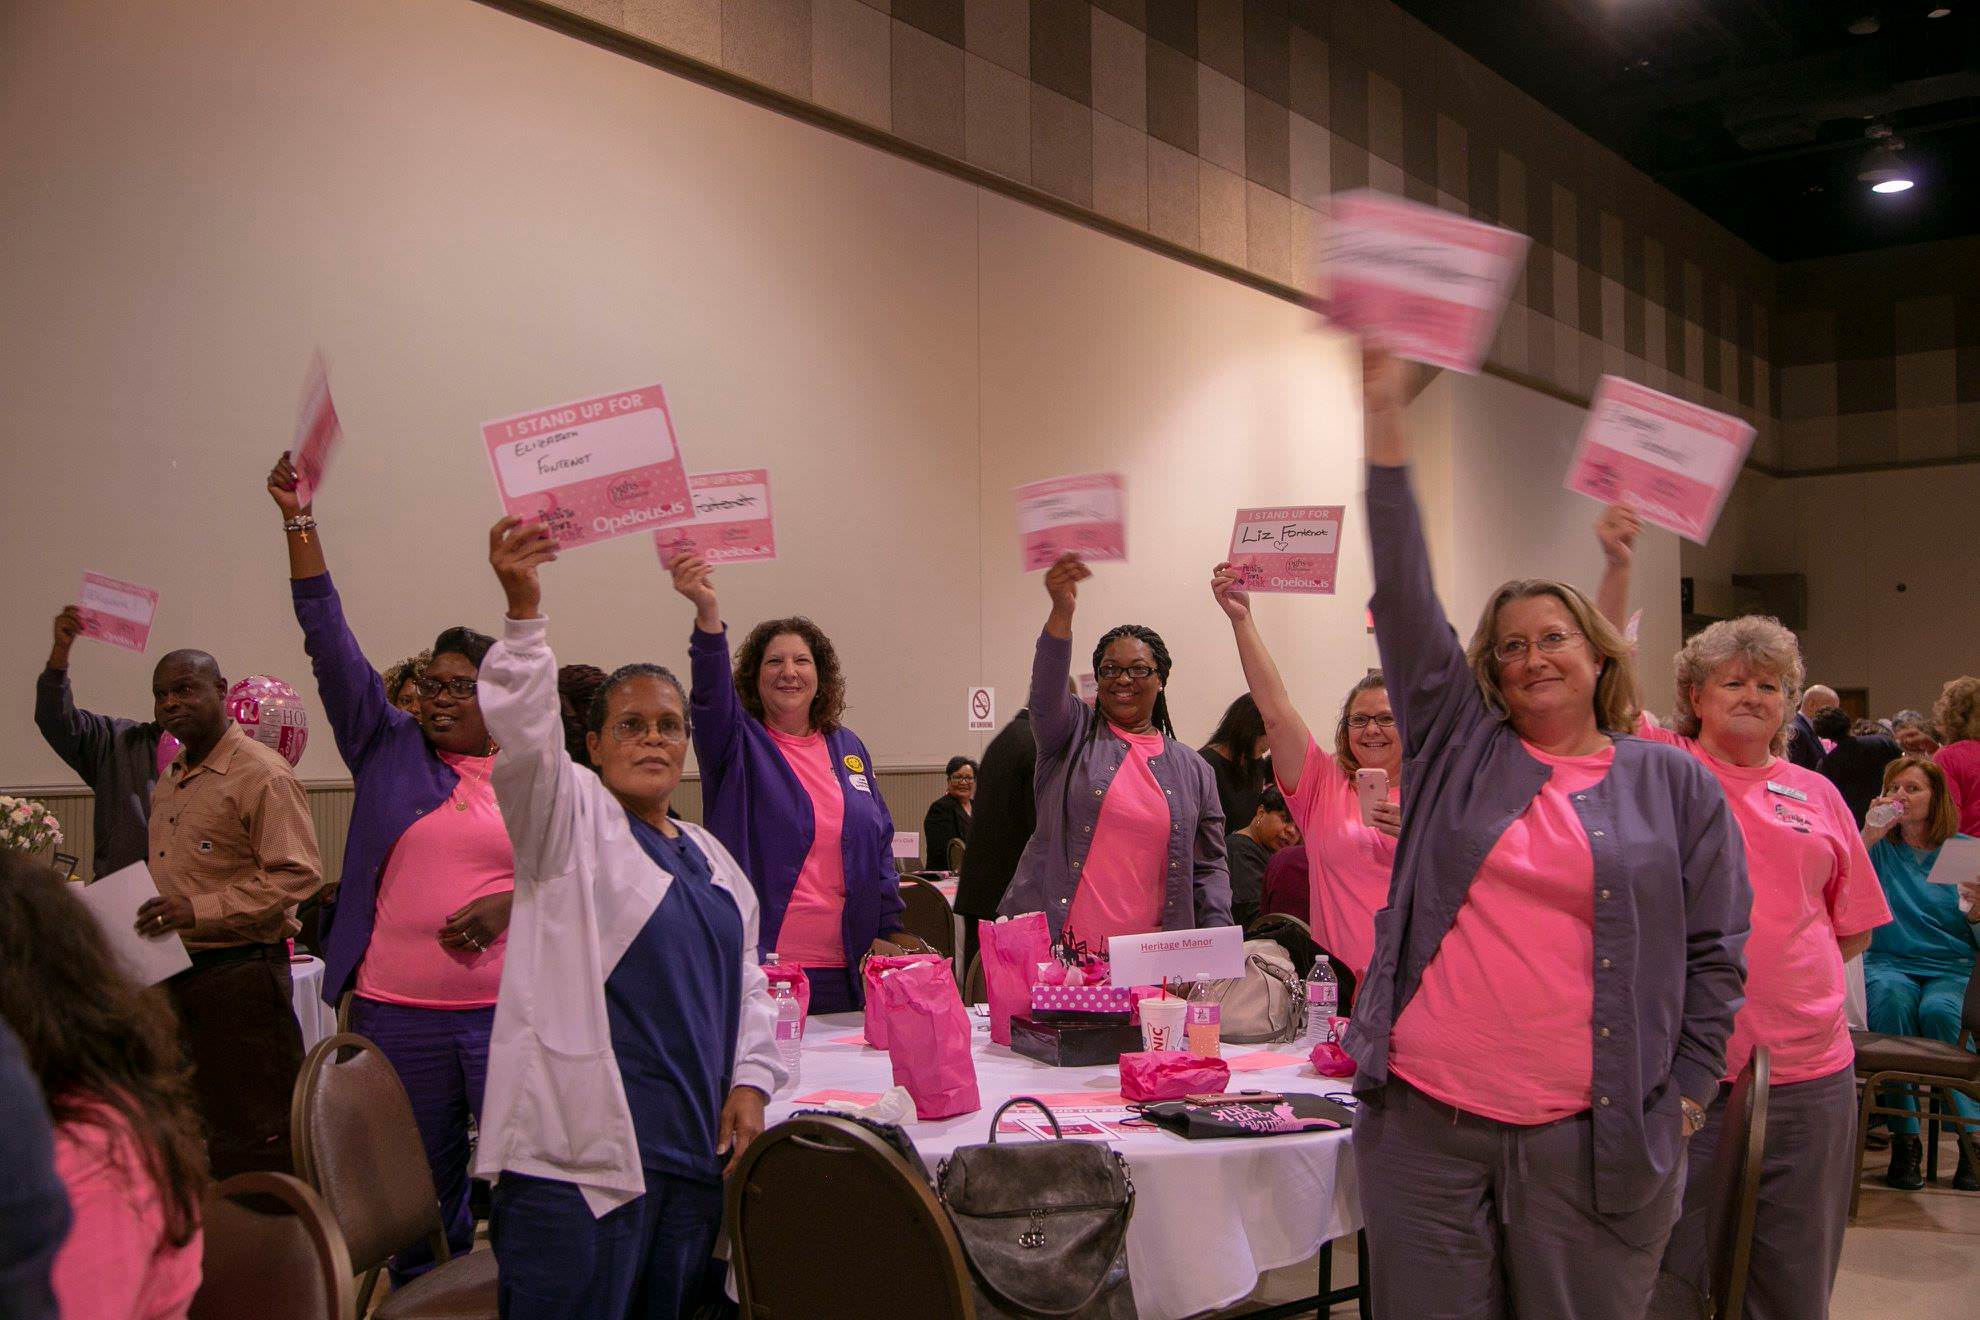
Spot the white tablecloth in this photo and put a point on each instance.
(316, 1018)
(1209, 1216)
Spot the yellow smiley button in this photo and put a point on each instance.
(854, 764)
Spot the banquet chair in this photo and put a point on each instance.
(790, 1261)
(1735, 1178)
(954, 860)
(271, 1248)
(357, 1144)
(975, 988)
(928, 915)
(1925, 1069)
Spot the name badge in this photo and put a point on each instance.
(1786, 791)
(859, 782)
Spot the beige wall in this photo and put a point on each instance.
(473, 217)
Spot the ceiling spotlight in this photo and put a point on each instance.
(1883, 168)
(1890, 185)
(1865, 26)
(1940, 12)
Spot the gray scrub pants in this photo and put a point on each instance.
(1804, 1199)
(1473, 1219)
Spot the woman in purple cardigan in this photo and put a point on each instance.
(793, 794)
(1555, 976)
(415, 927)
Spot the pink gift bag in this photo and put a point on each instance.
(871, 972)
(1012, 951)
(1171, 1075)
(929, 1028)
(800, 986)
(1330, 1060)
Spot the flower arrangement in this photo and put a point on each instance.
(27, 826)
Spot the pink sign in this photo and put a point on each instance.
(1427, 284)
(1672, 461)
(731, 523)
(1084, 515)
(1294, 550)
(318, 433)
(593, 469)
(116, 612)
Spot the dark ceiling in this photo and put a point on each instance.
(1758, 112)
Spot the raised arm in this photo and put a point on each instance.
(1285, 730)
(82, 739)
(718, 712)
(1429, 680)
(1055, 711)
(353, 694)
(534, 780)
(1617, 530)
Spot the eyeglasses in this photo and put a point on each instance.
(458, 688)
(1517, 648)
(962, 779)
(1379, 721)
(632, 729)
(1140, 673)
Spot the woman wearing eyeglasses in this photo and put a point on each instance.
(1816, 899)
(793, 794)
(1348, 862)
(416, 925)
(633, 1045)
(1555, 975)
(948, 816)
(1130, 834)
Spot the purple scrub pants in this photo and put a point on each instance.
(1473, 1219)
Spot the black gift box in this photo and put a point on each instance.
(1074, 1044)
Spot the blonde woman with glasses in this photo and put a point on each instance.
(1556, 974)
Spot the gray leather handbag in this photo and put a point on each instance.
(1043, 1224)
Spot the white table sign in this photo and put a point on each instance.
(1212, 954)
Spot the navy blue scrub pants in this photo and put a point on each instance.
(643, 1261)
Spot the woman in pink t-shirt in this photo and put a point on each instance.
(1957, 715)
(1816, 899)
(127, 1135)
(1348, 861)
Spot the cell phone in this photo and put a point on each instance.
(67, 865)
(1371, 789)
(1241, 1097)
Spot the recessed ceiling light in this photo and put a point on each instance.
(1865, 26)
(1891, 186)
(1940, 12)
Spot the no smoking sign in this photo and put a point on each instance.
(981, 709)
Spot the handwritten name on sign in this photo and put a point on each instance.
(1212, 953)
(1085, 515)
(594, 469)
(732, 520)
(1427, 284)
(1672, 461)
(116, 612)
(1292, 550)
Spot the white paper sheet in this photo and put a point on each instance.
(114, 901)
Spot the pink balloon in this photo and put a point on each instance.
(271, 712)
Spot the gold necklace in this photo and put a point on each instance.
(464, 790)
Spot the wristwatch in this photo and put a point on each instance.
(1694, 1115)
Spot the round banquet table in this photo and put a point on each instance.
(1209, 1216)
(316, 1018)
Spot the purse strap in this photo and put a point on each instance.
(1035, 1103)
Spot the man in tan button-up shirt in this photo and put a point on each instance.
(233, 852)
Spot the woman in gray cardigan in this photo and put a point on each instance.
(1555, 976)
(1130, 835)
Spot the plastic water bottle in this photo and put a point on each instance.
(1323, 1002)
(1203, 1021)
(790, 1032)
(1883, 814)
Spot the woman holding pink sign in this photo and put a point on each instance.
(1130, 834)
(1350, 845)
(793, 794)
(1555, 975)
(417, 927)
(1816, 899)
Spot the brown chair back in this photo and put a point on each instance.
(358, 1145)
(928, 915)
(976, 989)
(271, 1248)
(956, 849)
(790, 1260)
(1742, 1146)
